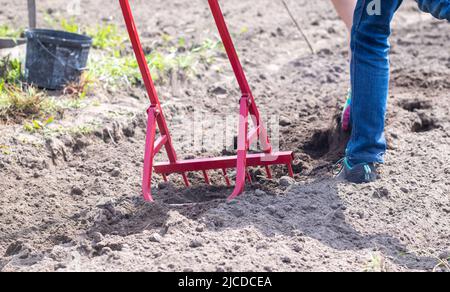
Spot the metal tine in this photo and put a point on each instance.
(165, 178)
(291, 170)
(227, 179)
(186, 180)
(205, 174)
(249, 177)
(269, 172)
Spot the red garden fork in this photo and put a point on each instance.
(245, 137)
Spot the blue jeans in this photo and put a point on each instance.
(370, 74)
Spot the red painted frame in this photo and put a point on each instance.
(245, 139)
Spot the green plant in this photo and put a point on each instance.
(36, 125)
(377, 263)
(5, 150)
(106, 36)
(7, 32)
(10, 72)
(70, 25)
(17, 103)
(81, 88)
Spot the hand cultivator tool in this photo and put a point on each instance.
(246, 137)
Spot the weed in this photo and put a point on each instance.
(7, 32)
(5, 150)
(17, 103)
(70, 25)
(36, 125)
(82, 130)
(376, 264)
(81, 88)
(79, 130)
(114, 68)
(10, 72)
(106, 36)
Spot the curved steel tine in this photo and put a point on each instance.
(186, 180)
(291, 170)
(205, 175)
(268, 172)
(227, 179)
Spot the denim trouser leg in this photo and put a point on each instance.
(370, 79)
(438, 8)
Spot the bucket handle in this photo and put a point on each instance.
(58, 59)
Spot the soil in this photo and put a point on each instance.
(72, 202)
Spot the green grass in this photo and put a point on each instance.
(168, 59)
(18, 103)
(36, 125)
(104, 36)
(113, 65)
(7, 32)
(10, 72)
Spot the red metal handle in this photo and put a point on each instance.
(147, 77)
(230, 48)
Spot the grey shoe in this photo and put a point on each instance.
(358, 174)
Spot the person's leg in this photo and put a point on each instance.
(370, 79)
(345, 9)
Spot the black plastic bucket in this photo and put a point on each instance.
(55, 58)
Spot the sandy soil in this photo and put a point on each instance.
(72, 203)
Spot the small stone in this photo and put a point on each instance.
(164, 185)
(155, 237)
(284, 121)
(129, 131)
(237, 212)
(106, 251)
(196, 243)
(404, 190)
(60, 266)
(360, 214)
(200, 228)
(219, 90)
(286, 260)
(14, 248)
(297, 248)
(286, 181)
(260, 193)
(335, 206)
(381, 193)
(97, 237)
(339, 215)
(271, 210)
(76, 191)
(115, 172)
